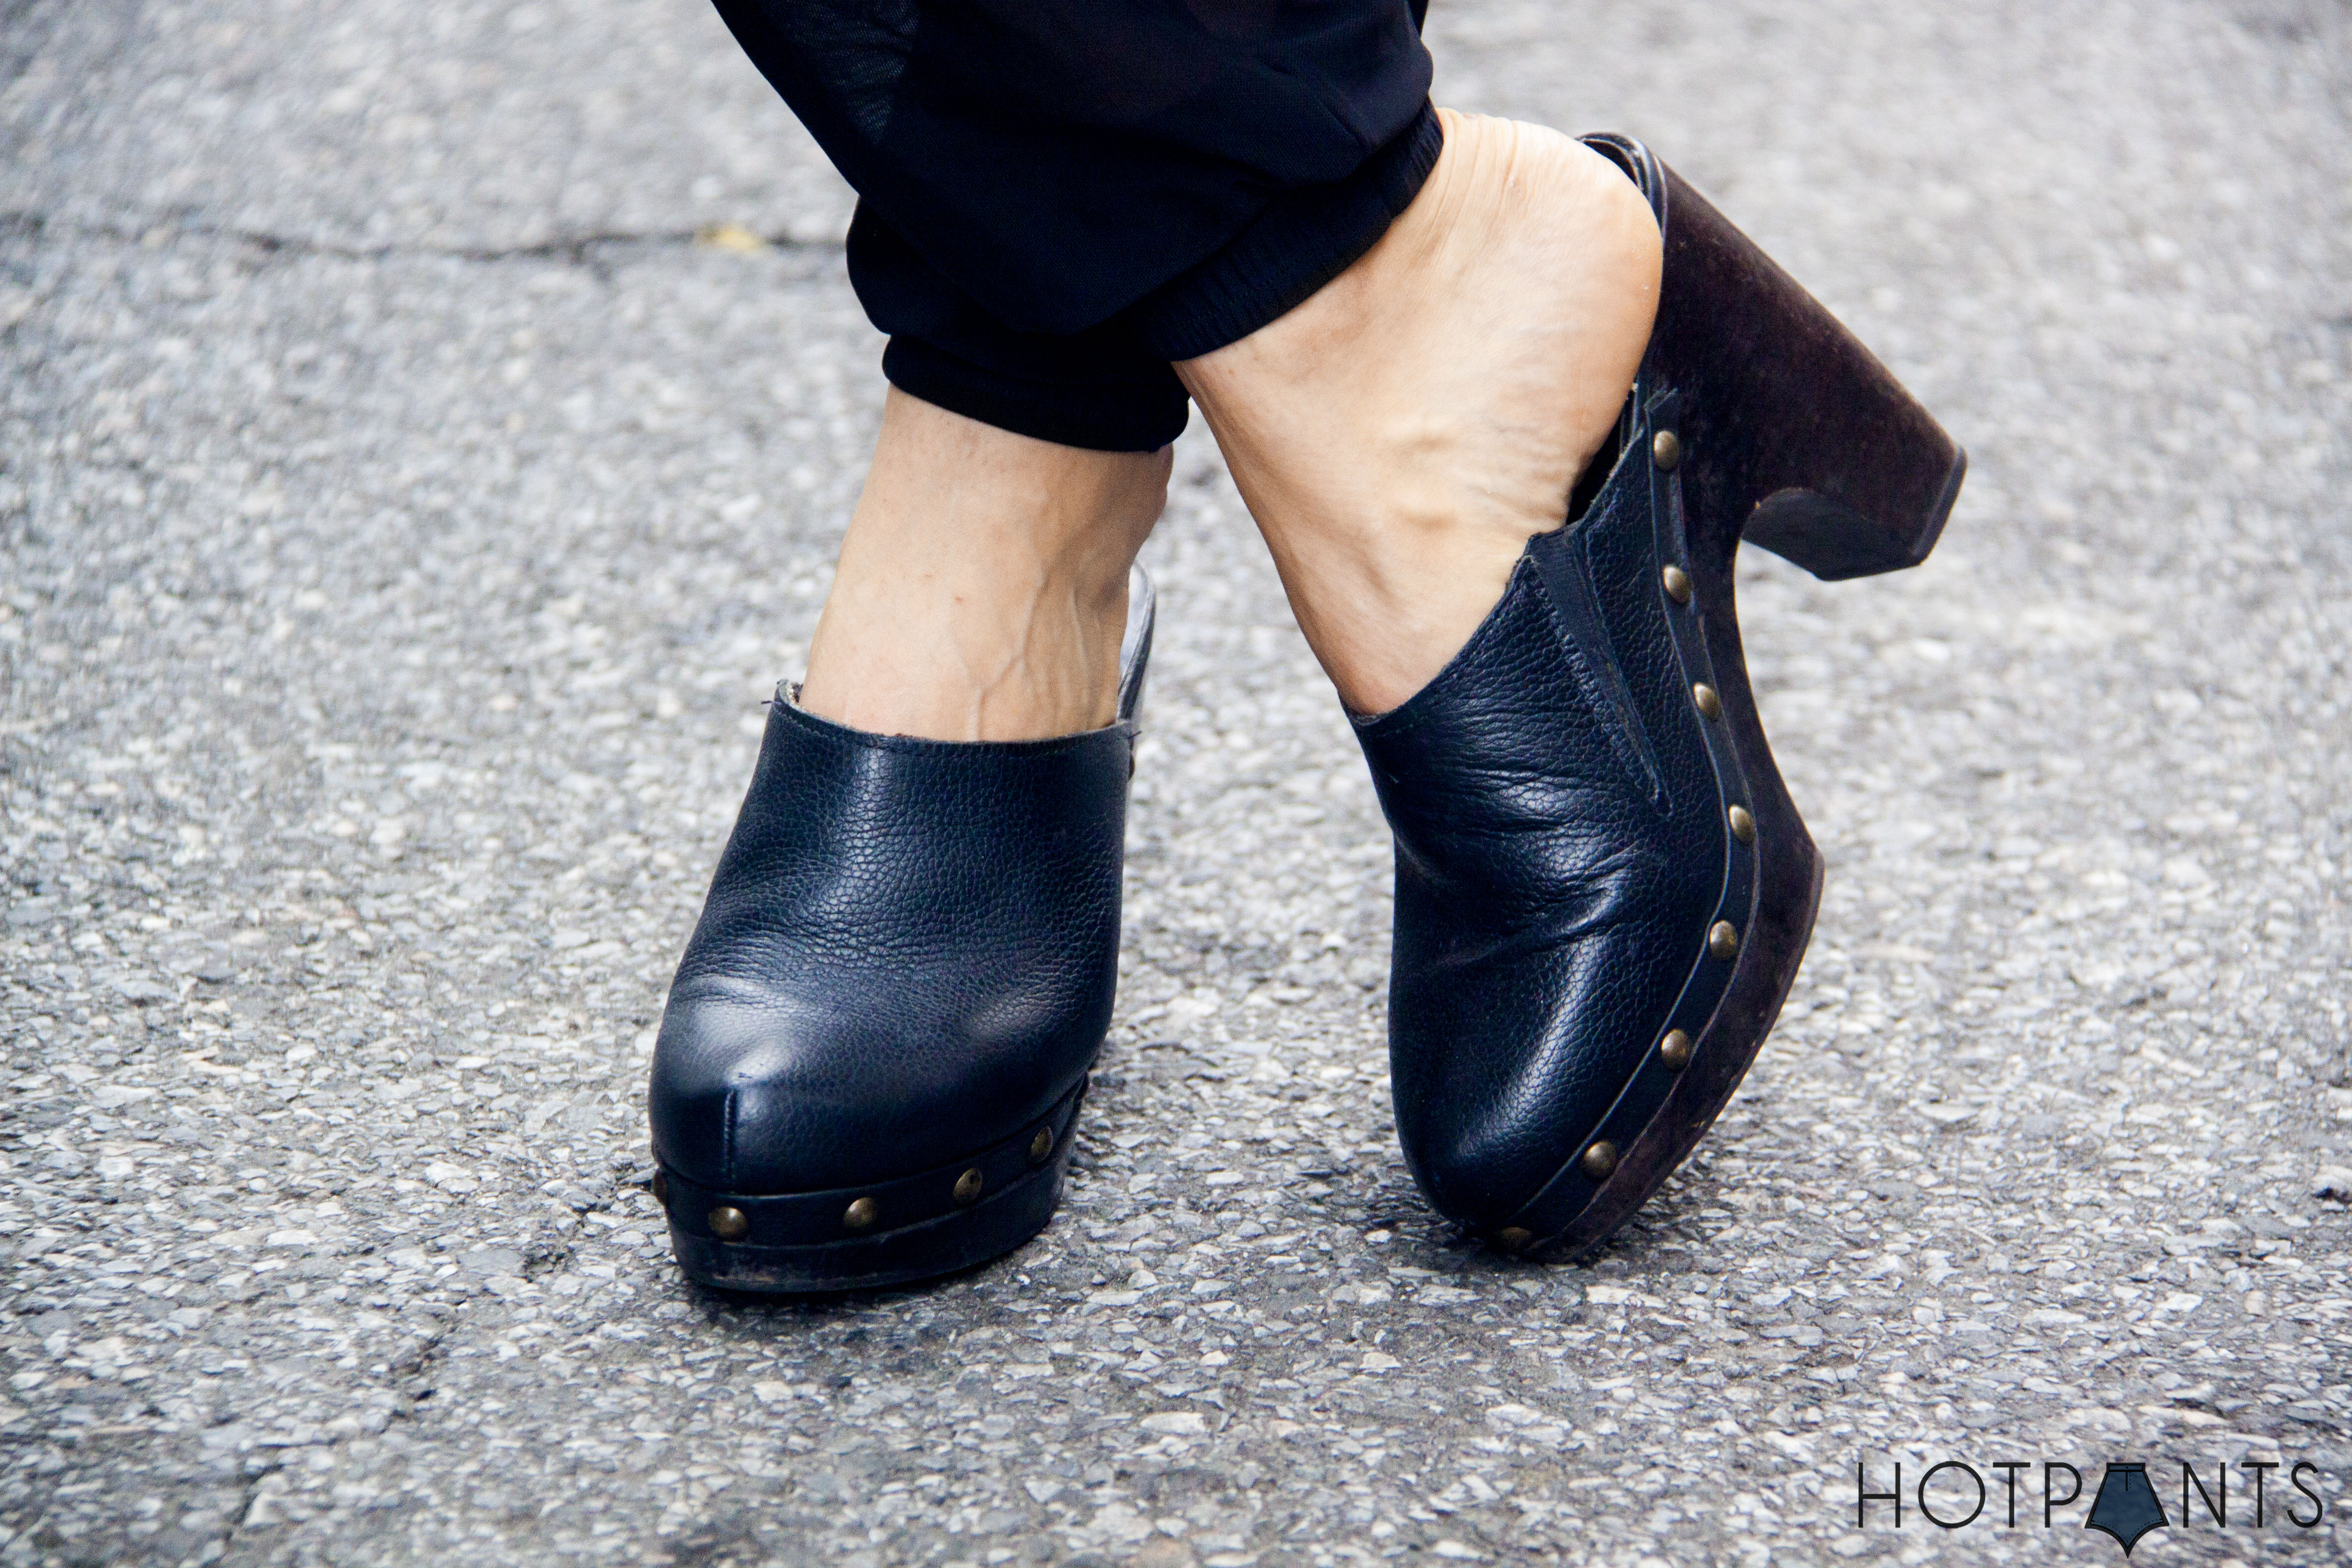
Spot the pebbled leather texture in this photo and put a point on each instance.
(1558, 853)
(908, 952)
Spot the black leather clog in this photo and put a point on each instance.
(1603, 888)
(876, 1044)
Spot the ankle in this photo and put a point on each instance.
(1400, 434)
(982, 590)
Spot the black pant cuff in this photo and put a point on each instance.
(1108, 417)
(1288, 251)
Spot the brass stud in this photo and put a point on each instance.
(729, 1222)
(1667, 449)
(967, 1188)
(1600, 1159)
(1743, 824)
(1723, 938)
(1710, 706)
(859, 1215)
(1678, 584)
(660, 1188)
(1674, 1050)
(1514, 1238)
(1041, 1145)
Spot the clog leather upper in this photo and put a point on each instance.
(909, 952)
(1560, 849)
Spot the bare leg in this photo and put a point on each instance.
(1401, 435)
(983, 585)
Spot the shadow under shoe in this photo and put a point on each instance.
(1604, 889)
(875, 1046)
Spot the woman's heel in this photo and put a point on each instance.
(1812, 449)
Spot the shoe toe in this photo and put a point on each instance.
(765, 1089)
(1506, 1058)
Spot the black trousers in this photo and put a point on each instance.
(1058, 197)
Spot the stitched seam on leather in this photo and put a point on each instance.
(1629, 738)
(726, 1142)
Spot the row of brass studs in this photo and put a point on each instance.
(729, 1222)
(1666, 451)
(1600, 1157)
(1709, 700)
(1723, 937)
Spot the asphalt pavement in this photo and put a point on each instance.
(424, 432)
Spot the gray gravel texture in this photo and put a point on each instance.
(404, 514)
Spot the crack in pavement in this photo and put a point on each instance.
(573, 250)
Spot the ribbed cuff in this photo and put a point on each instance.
(1107, 416)
(1288, 251)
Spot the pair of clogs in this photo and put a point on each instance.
(877, 1044)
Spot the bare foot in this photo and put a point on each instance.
(1401, 435)
(982, 591)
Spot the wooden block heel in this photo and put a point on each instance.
(1809, 446)
(1785, 431)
